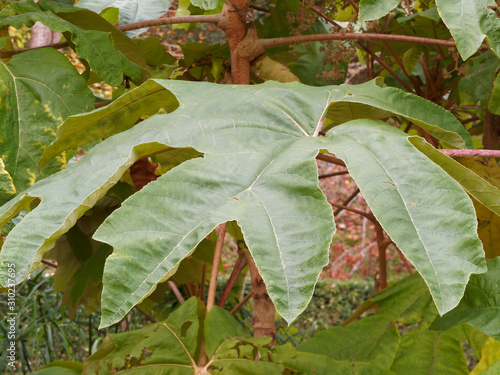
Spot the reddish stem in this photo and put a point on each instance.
(472, 153)
(333, 174)
(276, 42)
(330, 159)
(346, 202)
(215, 266)
(176, 292)
(240, 264)
(321, 14)
(386, 67)
(354, 5)
(147, 316)
(382, 244)
(241, 303)
(402, 66)
(49, 263)
(233, 24)
(403, 259)
(368, 215)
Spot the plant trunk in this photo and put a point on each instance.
(243, 50)
(233, 24)
(263, 308)
(491, 131)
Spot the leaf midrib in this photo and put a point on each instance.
(166, 259)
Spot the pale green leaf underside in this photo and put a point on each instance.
(258, 169)
(348, 102)
(374, 9)
(34, 101)
(205, 4)
(426, 214)
(470, 21)
(371, 101)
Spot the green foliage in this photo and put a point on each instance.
(374, 9)
(120, 115)
(43, 333)
(177, 343)
(212, 153)
(61, 368)
(470, 21)
(92, 45)
(333, 302)
(409, 218)
(250, 199)
(485, 192)
(36, 101)
(398, 335)
(480, 304)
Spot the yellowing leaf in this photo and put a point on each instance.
(34, 101)
(490, 359)
(268, 69)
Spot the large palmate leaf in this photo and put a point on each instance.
(482, 183)
(318, 364)
(376, 338)
(407, 301)
(470, 21)
(258, 169)
(348, 102)
(397, 200)
(371, 101)
(34, 101)
(425, 352)
(130, 10)
(419, 351)
(176, 346)
(480, 74)
(488, 221)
